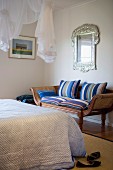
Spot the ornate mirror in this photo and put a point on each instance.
(84, 40)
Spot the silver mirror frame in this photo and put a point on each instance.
(82, 30)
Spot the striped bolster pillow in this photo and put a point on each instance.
(75, 103)
(53, 100)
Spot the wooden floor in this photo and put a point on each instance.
(95, 129)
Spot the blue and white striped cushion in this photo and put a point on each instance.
(75, 103)
(90, 89)
(54, 100)
(65, 101)
(69, 88)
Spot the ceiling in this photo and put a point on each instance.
(60, 4)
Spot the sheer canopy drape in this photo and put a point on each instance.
(15, 13)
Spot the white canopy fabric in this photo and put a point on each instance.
(15, 13)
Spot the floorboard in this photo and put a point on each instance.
(95, 130)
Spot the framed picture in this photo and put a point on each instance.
(22, 47)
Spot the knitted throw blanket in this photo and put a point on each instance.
(33, 137)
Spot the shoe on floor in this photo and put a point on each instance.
(93, 156)
(92, 164)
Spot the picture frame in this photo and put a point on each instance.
(22, 47)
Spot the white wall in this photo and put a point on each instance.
(99, 12)
(18, 75)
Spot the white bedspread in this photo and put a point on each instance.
(33, 137)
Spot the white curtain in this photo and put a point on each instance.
(15, 13)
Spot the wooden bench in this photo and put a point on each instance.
(100, 104)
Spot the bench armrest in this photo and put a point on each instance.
(99, 103)
(36, 97)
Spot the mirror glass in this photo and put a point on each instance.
(84, 40)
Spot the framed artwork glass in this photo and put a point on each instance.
(22, 47)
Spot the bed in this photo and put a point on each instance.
(35, 138)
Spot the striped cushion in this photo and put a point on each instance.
(68, 88)
(65, 101)
(90, 89)
(54, 100)
(75, 103)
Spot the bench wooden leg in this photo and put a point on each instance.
(81, 120)
(103, 118)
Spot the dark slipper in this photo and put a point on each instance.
(93, 156)
(92, 164)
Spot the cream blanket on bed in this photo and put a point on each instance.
(37, 138)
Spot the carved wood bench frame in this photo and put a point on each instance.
(100, 104)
